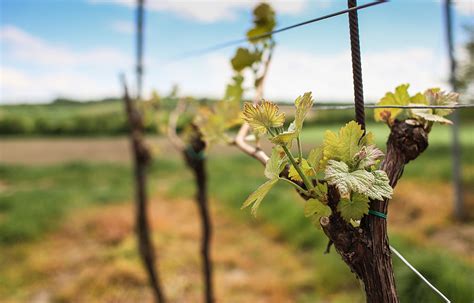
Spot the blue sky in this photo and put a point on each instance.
(76, 48)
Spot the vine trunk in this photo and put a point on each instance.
(141, 157)
(366, 249)
(196, 161)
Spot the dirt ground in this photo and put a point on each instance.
(426, 209)
(43, 151)
(93, 259)
(55, 150)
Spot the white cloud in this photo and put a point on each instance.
(123, 27)
(465, 7)
(20, 45)
(33, 69)
(21, 86)
(212, 11)
(38, 71)
(294, 72)
(330, 76)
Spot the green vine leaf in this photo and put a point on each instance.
(263, 116)
(337, 174)
(346, 144)
(399, 97)
(234, 91)
(257, 196)
(307, 170)
(275, 164)
(381, 188)
(264, 21)
(354, 208)
(214, 123)
(321, 191)
(244, 58)
(314, 209)
(303, 106)
(285, 138)
(314, 158)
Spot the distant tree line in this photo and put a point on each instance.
(67, 117)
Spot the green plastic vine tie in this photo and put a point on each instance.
(378, 214)
(192, 153)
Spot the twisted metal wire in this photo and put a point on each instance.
(356, 65)
(200, 52)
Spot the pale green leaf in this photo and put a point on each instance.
(419, 98)
(257, 196)
(275, 164)
(255, 32)
(381, 188)
(321, 191)
(211, 125)
(426, 114)
(307, 170)
(314, 158)
(400, 97)
(284, 138)
(315, 210)
(264, 15)
(349, 136)
(436, 97)
(354, 208)
(303, 106)
(263, 116)
(264, 21)
(234, 90)
(244, 58)
(337, 174)
(344, 146)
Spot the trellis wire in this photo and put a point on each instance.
(356, 65)
(357, 79)
(399, 255)
(351, 106)
(360, 108)
(267, 34)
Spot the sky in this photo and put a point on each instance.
(77, 48)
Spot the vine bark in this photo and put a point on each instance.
(366, 249)
(141, 157)
(197, 163)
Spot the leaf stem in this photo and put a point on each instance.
(300, 153)
(306, 182)
(295, 185)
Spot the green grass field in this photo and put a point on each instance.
(36, 200)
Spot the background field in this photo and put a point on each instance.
(66, 218)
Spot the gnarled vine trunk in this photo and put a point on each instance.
(196, 161)
(141, 157)
(366, 249)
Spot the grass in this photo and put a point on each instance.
(34, 200)
(434, 164)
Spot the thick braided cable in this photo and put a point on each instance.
(356, 65)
